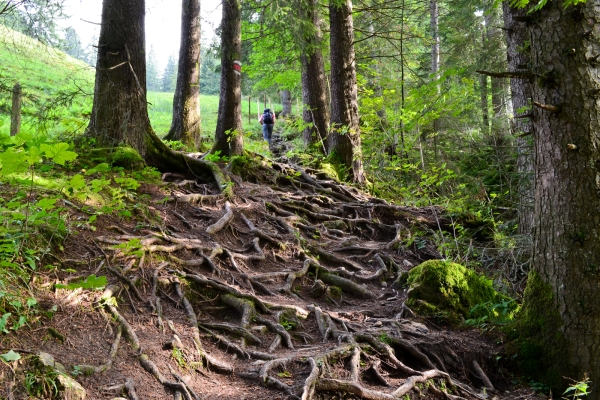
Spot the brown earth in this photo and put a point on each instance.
(291, 295)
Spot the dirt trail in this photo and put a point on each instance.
(285, 291)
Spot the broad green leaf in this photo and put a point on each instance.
(104, 167)
(13, 162)
(46, 204)
(91, 282)
(77, 182)
(59, 152)
(10, 356)
(4, 321)
(34, 155)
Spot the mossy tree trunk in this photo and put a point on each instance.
(119, 113)
(229, 138)
(185, 125)
(566, 256)
(344, 139)
(314, 88)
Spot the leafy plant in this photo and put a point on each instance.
(578, 389)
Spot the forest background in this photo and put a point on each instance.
(433, 131)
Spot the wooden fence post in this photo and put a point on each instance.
(15, 116)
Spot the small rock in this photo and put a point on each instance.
(72, 389)
(378, 324)
(384, 284)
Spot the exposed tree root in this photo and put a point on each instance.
(325, 256)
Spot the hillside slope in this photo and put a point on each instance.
(284, 291)
(57, 88)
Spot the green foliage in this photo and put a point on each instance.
(578, 389)
(442, 286)
(91, 282)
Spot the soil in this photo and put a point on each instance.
(292, 295)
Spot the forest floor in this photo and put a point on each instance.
(284, 291)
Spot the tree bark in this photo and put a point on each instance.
(185, 125)
(286, 103)
(229, 139)
(566, 239)
(314, 89)
(15, 115)
(516, 37)
(344, 139)
(119, 111)
(434, 14)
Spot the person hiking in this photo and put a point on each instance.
(267, 120)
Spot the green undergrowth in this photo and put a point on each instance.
(450, 291)
(46, 194)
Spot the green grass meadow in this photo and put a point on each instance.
(58, 95)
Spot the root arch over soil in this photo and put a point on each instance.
(289, 285)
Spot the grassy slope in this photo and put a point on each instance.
(45, 74)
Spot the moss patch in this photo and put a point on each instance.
(128, 157)
(445, 287)
(537, 343)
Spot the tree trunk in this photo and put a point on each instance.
(434, 14)
(286, 103)
(314, 89)
(15, 115)
(516, 37)
(185, 125)
(229, 139)
(561, 311)
(119, 112)
(344, 139)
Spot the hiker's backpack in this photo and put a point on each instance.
(267, 118)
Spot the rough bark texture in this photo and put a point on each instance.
(119, 113)
(516, 37)
(344, 139)
(229, 139)
(567, 176)
(314, 88)
(185, 125)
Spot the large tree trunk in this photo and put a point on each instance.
(314, 89)
(562, 309)
(185, 125)
(344, 139)
(119, 113)
(518, 60)
(229, 139)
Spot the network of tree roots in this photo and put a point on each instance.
(286, 289)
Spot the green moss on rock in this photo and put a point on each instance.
(128, 157)
(447, 288)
